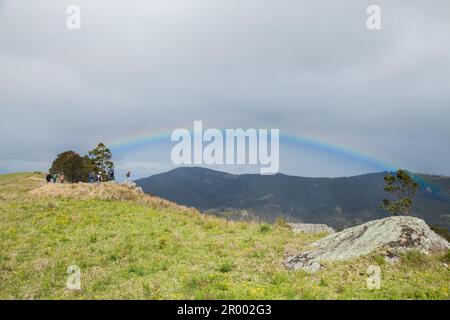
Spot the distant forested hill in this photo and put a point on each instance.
(338, 202)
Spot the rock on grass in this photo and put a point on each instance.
(391, 234)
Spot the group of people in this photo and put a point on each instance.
(54, 177)
(99, 177)
(93, 176)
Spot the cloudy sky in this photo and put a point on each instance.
(355, 99)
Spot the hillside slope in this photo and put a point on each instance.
(338, 202)
(130, 245)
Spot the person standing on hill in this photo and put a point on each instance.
(111, 174)
(91, 177)
(62, 177)
(48, 177)
(128, 175)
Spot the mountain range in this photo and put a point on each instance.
(338, 202)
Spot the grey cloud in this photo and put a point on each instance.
(310, 68)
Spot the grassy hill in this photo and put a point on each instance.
(132, 245)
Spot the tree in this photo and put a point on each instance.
(101, 159)
(89, 166)
(71, 164)
(403, 188)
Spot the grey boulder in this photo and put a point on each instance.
(393, 234)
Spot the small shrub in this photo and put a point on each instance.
(264, 228)
(281, 222)
(226, 267)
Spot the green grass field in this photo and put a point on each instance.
(132, 250)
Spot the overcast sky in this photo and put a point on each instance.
(310, 68)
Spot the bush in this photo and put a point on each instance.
(226, 267)
(264, 228)
(281, 222)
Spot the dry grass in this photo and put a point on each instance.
(109, 191)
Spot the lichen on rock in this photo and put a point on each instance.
(311, 228)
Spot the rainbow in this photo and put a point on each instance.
(141, 139)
